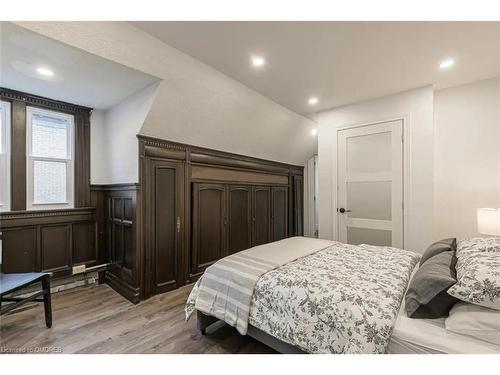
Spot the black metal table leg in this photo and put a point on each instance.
(47, 304)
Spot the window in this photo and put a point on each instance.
(50, 148)
(5, 156)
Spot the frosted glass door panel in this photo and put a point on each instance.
(370, 200)
(370, 153)
(377, 237)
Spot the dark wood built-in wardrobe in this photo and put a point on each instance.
(198, 205)
(227, 218)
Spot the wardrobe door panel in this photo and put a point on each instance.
(261, 215)
(279, 213)
(239, 218)
(168, 182)
(208, 226)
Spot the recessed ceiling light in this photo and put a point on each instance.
(258, 61)
(44, 71)
(314, 131)
(448, 63)
(313, 101)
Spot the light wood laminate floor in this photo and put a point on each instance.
(96, 319)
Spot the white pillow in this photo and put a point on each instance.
(473, 320)
(478, 272)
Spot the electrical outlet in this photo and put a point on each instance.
(79, 269)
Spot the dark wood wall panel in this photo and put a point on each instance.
(18, 156)
(84, 237)
(229, 175)
(119, 227)
(128, 247)
(55, 247)
(98, 200)
(118, 220)
(19, 250)
(82, 158)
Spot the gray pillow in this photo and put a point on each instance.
(448, 244)
(426, 297)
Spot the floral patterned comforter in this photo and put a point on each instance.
(343, 299)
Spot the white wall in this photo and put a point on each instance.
(99, 165)
(189, 112)
(467, 155)
(195, 104)
(113, 142)
(122, 123)
(416, 107)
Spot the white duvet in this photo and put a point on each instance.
(343, 299)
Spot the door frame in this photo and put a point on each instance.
(405, 165)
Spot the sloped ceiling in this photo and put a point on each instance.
(339, 62)
(78, 77)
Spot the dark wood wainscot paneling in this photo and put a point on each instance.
(200, 205)
(118, 238)
(49, 241)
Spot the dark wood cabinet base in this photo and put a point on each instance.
(133, 294)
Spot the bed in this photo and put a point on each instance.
(304, 295)
(429, 336)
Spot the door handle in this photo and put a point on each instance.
(343, 210)
(178, 224)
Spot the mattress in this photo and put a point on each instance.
(426, 336)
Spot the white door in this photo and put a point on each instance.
(370, 184)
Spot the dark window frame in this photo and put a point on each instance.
(18, 145)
